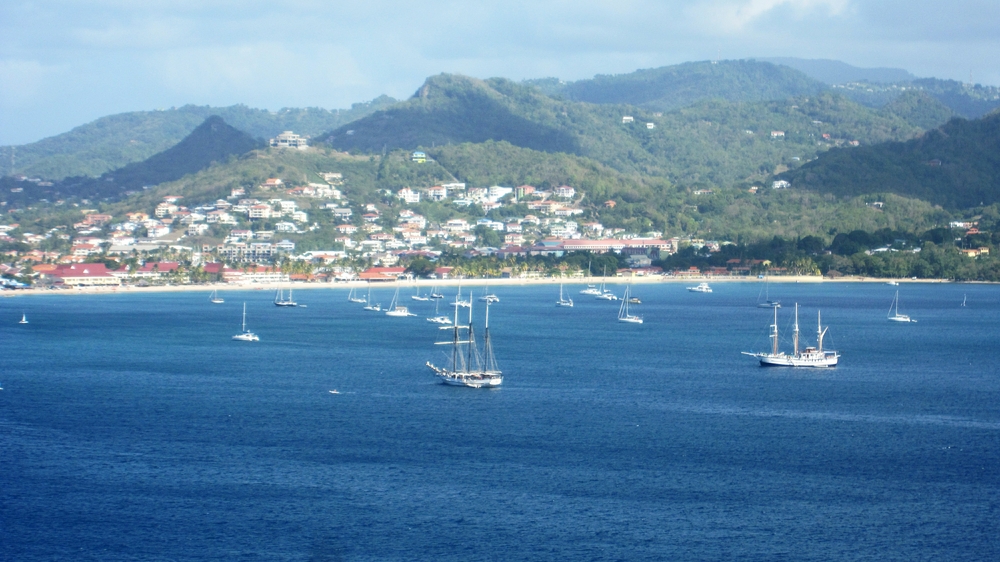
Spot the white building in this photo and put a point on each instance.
(289, 139)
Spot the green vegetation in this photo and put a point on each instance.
(957, 165)
(717, 142)
(673, 87)
(116, 140)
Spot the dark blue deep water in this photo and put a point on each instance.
(133, 428)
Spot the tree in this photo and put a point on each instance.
(421, 267)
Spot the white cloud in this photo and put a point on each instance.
(727, 16)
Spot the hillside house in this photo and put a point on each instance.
(418, 157)
(288, 139)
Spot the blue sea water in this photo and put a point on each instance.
(133, 428)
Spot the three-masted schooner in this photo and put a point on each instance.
(468, 366)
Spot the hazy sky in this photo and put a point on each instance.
(66, 62)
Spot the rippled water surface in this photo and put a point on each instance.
(132, 427)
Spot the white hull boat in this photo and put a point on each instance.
(814, 357)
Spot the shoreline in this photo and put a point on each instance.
(429, 283)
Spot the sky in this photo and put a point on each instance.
(64, 63)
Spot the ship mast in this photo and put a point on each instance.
(774, 334)
(820, 332)
(795, 337)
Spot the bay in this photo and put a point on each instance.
(132, 427)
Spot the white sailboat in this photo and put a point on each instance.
(623, 313)
(245, 335)
(214, 298)
(418, 296)
(435, 295)
(767, 302)
(351, 297)
(963, 299)
(468, 367)
(562, 300)
(396, 309)
(605, 294)
(24, 318)
(368, 302)
(894, 315)
(460, 302)
(488, 296)
(280, 300)
(809, 357)
(438, 319)
(591, 290)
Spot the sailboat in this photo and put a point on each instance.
(395, 309)
(894, 315)
(352, 298)
(488, 296)
(214, 298)
(623, 313)
(469, 367)
(963, 299)
(418, 296)
(767, 302)
(605, 294)
(435, 295)
(563, 301)
(368, 302)
(437, 319)
(24, 318)
(460, 302)
(245, 335)
(810, 357)
(280, 300)
(591, 288)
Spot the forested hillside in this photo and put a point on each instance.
(956, 165)
(674, 87)
(715, 142)
(211, 142)
(116, 140)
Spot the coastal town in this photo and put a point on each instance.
(251, 236)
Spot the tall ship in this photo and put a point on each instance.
(280, 300)
(809, 357)
(468, 366)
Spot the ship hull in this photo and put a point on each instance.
(816, 361)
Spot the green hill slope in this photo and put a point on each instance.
(116, 140)
(956, 165)
(712, 141)
(212, 141)
(674, 87)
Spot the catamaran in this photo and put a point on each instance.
(467, 366)
(395, 309)
(623, 313)
(562, 300)
(488, 296)
(894, 315)
(214, 298)
(280, 300)
(810, 357)
(245, 335)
